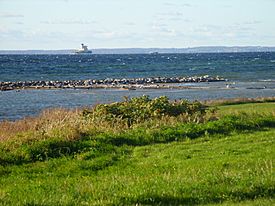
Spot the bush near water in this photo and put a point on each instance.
(141, 109)
(141, 151)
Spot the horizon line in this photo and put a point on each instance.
(98, 48)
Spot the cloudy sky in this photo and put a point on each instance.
(64, 24)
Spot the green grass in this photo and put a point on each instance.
(249, 107)
(223, 162)
(209, 170)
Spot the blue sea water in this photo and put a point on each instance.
(251, 75)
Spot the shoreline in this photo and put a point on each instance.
(208, 102)
(110, 83)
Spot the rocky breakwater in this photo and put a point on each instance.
(150, 82)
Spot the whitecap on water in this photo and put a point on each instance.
(255, 59)
(267, 80)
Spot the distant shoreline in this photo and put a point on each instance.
(152, 51)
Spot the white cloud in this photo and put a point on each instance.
(10, 15)
(163, 29)
(171, 13)
(173, 16)
(252, 22)
(169, 4)
(130, 23)
(186, 5)
(18, 23)
(68, 21)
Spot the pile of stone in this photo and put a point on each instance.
(105, 83)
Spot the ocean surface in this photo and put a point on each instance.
(249, 75)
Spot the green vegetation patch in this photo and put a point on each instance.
(12, 152)
(208, 170)
(141, 109)
(262, 108)
(177, 153)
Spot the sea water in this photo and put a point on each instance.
(248, 74)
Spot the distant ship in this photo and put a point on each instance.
(84, 50)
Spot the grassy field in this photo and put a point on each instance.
(223, 159)
(261, 108)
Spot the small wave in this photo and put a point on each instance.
(255, 59)
(267, 80)
(256, 88)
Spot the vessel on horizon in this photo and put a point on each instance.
(84, 50)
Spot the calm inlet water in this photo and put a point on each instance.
(250, 75)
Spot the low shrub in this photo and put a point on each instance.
(141, 109)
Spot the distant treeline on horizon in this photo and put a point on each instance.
(206, 49)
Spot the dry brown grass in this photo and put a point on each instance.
(59, 123)
(47, 122)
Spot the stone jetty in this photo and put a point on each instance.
(123, 83)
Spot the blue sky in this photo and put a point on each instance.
(64, 24)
